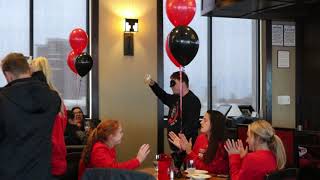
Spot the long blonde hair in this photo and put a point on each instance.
(100, 133)
(264, 131)
(42, 64)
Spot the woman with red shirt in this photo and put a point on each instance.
(100, 149)
(41, 71)
(208, 152)
(268, 153)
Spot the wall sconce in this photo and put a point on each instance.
(131, 25)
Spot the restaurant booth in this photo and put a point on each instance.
(302, 15)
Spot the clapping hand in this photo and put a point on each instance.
(185, 144)
(174, 139)
(180, 141)
(235, 147)
(231, 147)
(143, 152)
(243, 151)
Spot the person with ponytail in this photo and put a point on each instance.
(208, 152)
(41, 71)
(100, 149)
(268, 153)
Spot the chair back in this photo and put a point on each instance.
(288, 137)
(114, 174)
(242, 133)
(284, 174)
(74, 148)
(73, 160)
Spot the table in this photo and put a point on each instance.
(154, 173)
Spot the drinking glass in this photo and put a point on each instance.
(155, 163)
(86, 126)
(190, 166)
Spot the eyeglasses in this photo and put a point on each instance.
(172, 83)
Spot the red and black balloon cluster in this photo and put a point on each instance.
(78, 61)
(182, 42)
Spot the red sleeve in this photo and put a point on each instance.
(64, 122)
(105, 158)
(241, 170)
(59, 152)
(200, 143)
(219, 165)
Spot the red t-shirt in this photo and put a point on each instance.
(104, 157)
(254, 166)
(219, 164)
(59, 151)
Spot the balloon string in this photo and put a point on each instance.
(75, 80)
(79, 92)
(180, 98)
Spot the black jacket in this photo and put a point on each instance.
(38, 75)
(27, 112)
(73, 135)
(191, 107)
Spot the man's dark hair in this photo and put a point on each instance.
(15, 63)
(176, 75)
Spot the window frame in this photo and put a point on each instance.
(160, 71)
(92, 29)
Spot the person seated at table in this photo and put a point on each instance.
(100, 149)
(74, 135)
(78, 117)
(268, 153)
(208, 152)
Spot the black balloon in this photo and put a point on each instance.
(183, 44)
(83, 64)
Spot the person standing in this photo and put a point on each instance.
(28, 109)
(41, 71)
(186, 122)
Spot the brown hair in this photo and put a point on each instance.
(15, 63)
(100, 133)
(176, 75)
(264, 131)
(217, 121)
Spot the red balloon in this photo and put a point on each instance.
(71, 61)
(78, 40)
(180, 12)
(173, 60)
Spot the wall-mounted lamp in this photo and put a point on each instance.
(131, 25)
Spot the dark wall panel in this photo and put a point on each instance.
(309, 75)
